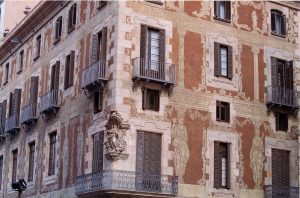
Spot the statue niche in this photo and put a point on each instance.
(115, 137)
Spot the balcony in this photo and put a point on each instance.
(94, 75)
(12, 124)
(281, 97)
(126, 182)
(28, 114)
(49, 102)
(281, 192)
(153, 71)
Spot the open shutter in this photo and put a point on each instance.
(217, 166)
(17, 103)
(283, 25)
(228, 10)
(74, 10)
(34, 84)
(52, 83)
(71, 68)
(103, 45)
(230, 67)
(100, 100)
(272, 21)
(162, 51)
(67, 72)
(228, 167)
(217, 9)
(95, 49)
(274, 71)
(145, 99)
(4, 107)
(290, 74)
(227, 110)
(143, 44)
(218, 110)
(217, 59)
(285, 168)
(56, 78)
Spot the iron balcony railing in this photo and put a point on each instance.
(28, 113)
(109, 180)
(282, 96)
(93, 74)
(154, 71)
(11, 123)
(281, 192)
(49, 101)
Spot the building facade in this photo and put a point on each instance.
(151, 98)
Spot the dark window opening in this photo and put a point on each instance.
(278, 23)
(98, 152)
(31, 161)
(69, 70)
(282, 121)
(101, 4)
(98, 101)
(150, 99)
(38, 43)
(223, 111)
(6, 74)
(54, 83)
(221, 165)
(1, 171)
(223, 10)
(72, 18)
(14, 165)
(10, 110)
(21, 61)
(58, 29)
(52, 152)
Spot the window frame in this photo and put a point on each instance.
(58, 30)
(228, 14)
(6, 76)
(98, 101)
(52, 153)
(21, 62)
(282, 121)
(218, 60)
(220, 105)
(31, 159)
(38, 45)
(14, 165)
(277, 13)
(72, 18)
(219, 154)
(146, 96)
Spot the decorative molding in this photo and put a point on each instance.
(115, 137)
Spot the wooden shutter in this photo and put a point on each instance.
(218, 110)
(10, 110)
(274, 71)
(217, 8)
(103, 44)
(145, 101)
(227, 110)
(15, 162)
(52, 151)
(283, 25)
(280, 168)
(156, 102)
(228, 10)
(162, 46)
(70, 18)
(52, 83)
(67, 72)
(290, 74)
(95, 49)
(139, 152)
(34, 84)
(143, 43)
(56, 79)
(276, 114)
(272, 21)
(31, 161)
(217, 59)
(1, 170)
(217, 166)
(17, 103)
(230, 62)
(72, 65)
(4, 107)
(74, 10)
(98, 152)
(228, 166)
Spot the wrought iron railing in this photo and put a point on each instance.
(153, 70)
(11, 123)
(28, 113)
(49, 101)
(282, 96)
(126, 181)
(281, 192)
(93, 74)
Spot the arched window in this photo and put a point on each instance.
(278, 22)
(72, 18)
(58, 29)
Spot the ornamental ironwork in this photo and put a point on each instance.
(281, 192)
(115, 137)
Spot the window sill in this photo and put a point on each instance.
(71, 29)
(222, 20)
(278, 35)
(223, 77)
(36, 58)
(56, 41)
(49, 179)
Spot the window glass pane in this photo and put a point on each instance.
(278, 23)
(222, 9)
(224, 61)
(154, 49)
(224, 164)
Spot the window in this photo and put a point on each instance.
(282, 121)
(280, 169)
(101, 4)
(69, 70)
(38, 43)
(72, 18)
(150, 99)
(34, 86)
(98, 101)
(223, 60)
(52, 151)
(223, 10)
(14, 165)
(31, 161)
(6, 74)
(278, 23)
(221, 165)
(98, 152)
(54, 84)
(223, 111)
(282, 73)
(99, 42)
(10, 109)
(21, 63)
(1, 170)
(58, 29)
(14, 104)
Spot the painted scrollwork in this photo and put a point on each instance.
(115, 137)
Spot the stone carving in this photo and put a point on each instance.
(257, 157)
(115, 137)
(181, 149)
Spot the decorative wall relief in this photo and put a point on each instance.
(115, 137)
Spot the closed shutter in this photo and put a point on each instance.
(31, 161)
(283, 25)
(98, 152)
(34, 84)
(74, 14)
(228, 10)
(100, 101)
(290, 75)
(16, 104)
(56, 78)
(139, 152)
(273, 21)
(274, 71)
(217, 8)
(230, 57)
(70, 19)
(95, 49)
(103, 45)
(217, 166)
(280, 168)
(227, 110)
(67, 72)
(71, 68)
(217, 59)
